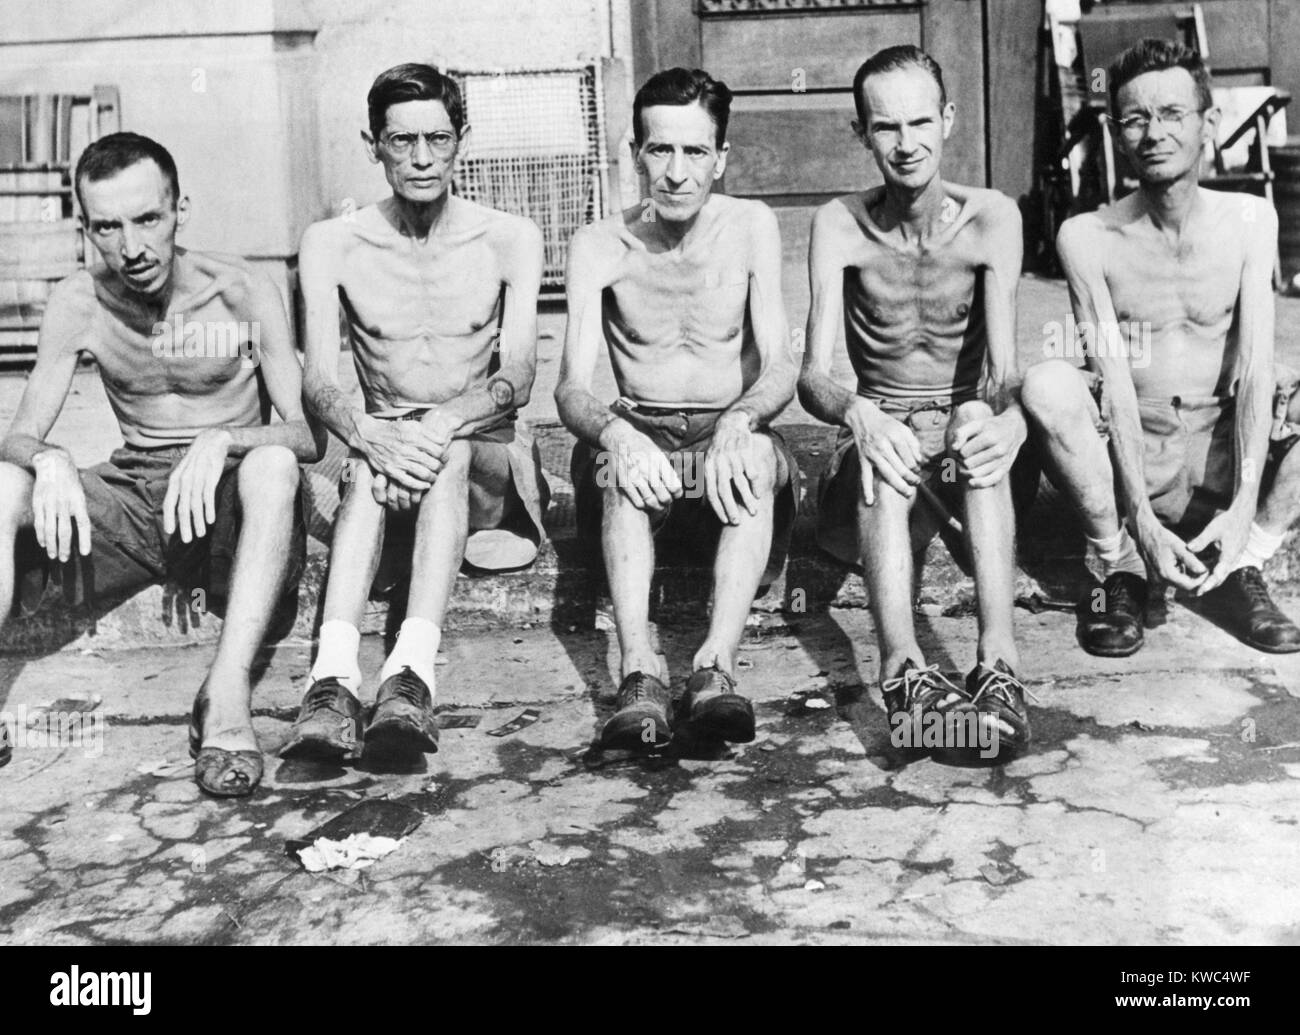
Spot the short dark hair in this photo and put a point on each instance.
(1157, 55)
(892, 59)
(112, 153)
(682, 86)
(413, 82)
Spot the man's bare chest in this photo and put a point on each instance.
(651, 296)
(399, 293)
(1199, 285)
(195, 350)
(937, 287)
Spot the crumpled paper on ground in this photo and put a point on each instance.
(354, 852)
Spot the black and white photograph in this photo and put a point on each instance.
(592, 473)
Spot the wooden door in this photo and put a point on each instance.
(791, 65)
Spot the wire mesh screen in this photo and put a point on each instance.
(536, 148)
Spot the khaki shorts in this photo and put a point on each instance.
(1188, 455)
(840, 489)
(508, 496)
(129, 547)
(689, 522)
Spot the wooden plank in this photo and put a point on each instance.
(812, 52)
(665, 34)
(1238, 34)
(783, 148)
(951, 33)
(1284, 50)
(1238, 30)
(1012, 34)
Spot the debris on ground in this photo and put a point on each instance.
(460, 721)
(366, 832)
(525, 718)
(997, 874)
(163, 768)
(355, 852)
(717, 926)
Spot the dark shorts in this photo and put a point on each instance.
(130, 549)
(840, 489)
(1189, 458)
(689, 522)
(508, 496)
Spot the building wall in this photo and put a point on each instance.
(271, 140)
(357, 40)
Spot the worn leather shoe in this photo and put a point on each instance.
(715, 709)
(643, 719)
(328, 727)
(403, 723)
(1244, 596)
(1110, 616)
(999, 701)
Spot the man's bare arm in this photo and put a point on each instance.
(1081, 248)
(47, 386)
(510, 387)
(58, 499)
(988, 447)
(401, 450)
(886, 446)
(1000, 385)
(278, 362)
(582, 413)
(643, 472)
(774, 387)
(1255, 382)
(818, 394)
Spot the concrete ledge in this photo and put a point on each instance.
(560, 589)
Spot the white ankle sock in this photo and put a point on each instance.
(416, 647)
(1117, 553)
(1260, 546)
(337, 656)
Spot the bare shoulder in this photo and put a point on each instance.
(508, 232)
(74, 295)
(1248, 214)
(242, 285)
(1083, 233)
(835, 220)
(70, 312)
(987, 207)
(607, 240)
(329, 235)
(742, 212)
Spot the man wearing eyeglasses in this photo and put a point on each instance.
(921, 274)
(440, 296)
(1192, 479)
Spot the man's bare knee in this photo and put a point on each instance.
(1052, 392)
(965, 413)
(763, 480)
(456, 463)
(268, 475)
(15, 496)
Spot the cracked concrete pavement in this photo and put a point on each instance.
(1159, 803)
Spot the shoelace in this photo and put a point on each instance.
(638, 688)
(1252, 582)
(1000, 684)
(1120, 597)
(409, 687)
(321, 697)
(915, 680)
